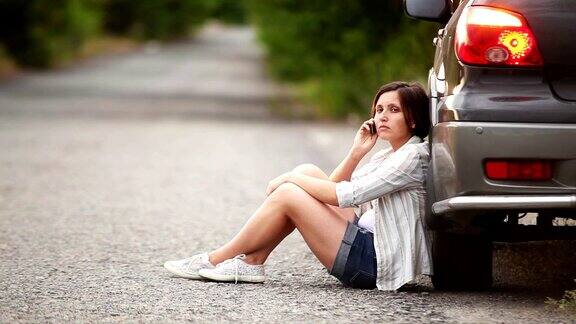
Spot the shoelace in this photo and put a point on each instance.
(190, 261)
(236, 261)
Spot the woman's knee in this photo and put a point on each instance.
(292, 199)
(310, 170)
(287, 193)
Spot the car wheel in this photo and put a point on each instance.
(461, 262)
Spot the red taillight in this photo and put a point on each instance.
(494, 36)
(527, 170)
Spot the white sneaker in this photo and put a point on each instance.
(189, 267)
(236, 270)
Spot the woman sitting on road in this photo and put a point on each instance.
(365, 226)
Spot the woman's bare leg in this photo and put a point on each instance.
(288, 207)
(234, 247)
(314, 171)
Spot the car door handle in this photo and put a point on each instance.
(441, 32)
(436, 40)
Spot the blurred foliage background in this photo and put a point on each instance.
(154, 19)
(42, 32)
(340, 52)
(335, 53)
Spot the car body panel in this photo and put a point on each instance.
(459, 150)
(484, 112)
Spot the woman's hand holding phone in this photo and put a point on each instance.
(365, 138)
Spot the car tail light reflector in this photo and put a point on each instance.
(494, 36)
(526, 170)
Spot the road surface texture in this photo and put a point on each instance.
(113, 166)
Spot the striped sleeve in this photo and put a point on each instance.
(396, 173)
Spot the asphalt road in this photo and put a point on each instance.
(115, 165)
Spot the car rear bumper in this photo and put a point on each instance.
(460, 149)
(524, 203)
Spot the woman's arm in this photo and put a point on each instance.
(325, 190)
(402, 171)
(321, 189)
(363, 142)
(344, 170)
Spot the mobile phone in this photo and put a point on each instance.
(372, 128)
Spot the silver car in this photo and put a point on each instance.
(503, 107)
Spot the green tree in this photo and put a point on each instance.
(342, 50)
(155, 19)
(42, 33)
(229, 11)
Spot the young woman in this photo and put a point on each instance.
(365, 226)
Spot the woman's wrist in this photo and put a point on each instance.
(356, 155)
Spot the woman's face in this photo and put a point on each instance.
(389, 118)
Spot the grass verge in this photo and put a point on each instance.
(567, 303)
(7, 65)
(104, 45)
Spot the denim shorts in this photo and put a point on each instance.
(355, 263)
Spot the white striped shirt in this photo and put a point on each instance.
(393, 182)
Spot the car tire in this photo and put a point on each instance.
(461, 262)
